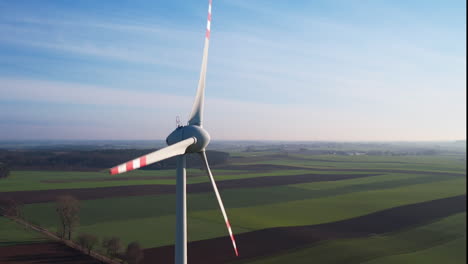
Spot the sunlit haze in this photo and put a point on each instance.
(278, 70)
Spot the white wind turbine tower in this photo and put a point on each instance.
(191, 138)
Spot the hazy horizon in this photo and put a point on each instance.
(347, 71)
(237, 140)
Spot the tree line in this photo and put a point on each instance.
(91, 160)
(68, 209)
(132, 254)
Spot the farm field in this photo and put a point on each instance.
(269, 198)
(13, 234)
(48, 252)
(441, 241)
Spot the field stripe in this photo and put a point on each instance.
(274, 240)
(266, 167)
(39, 196)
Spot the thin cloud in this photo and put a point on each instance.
(274, 73)
(147, 115)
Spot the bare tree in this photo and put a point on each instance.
(67, 209)
(87, 241)
(112, 245)
(134, 253)
(10, 207)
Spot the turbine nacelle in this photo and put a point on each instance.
(202, 138)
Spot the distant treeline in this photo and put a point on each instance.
(416, 152)
(408, 151)
(92, 160)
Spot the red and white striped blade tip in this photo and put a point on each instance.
(234, 244)
(208, 25)
(228, 225)
(128, 166)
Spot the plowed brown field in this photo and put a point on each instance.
(52, 252)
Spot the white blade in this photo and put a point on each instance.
(196, 117)
(176, 149)
(220, 202)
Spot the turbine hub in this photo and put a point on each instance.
(184, 132)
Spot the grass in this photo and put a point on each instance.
(158, 231)
(443, 241)
(338, 207)
(150, 219)
(273, 206)
(37, 180)
(12, 233)
(150, 206)
(453, 252)
(41, 180)
(48, 180)
(437, 163)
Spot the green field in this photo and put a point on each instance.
(47, 180)
(150, 219)
(443, 241)
(12, 233)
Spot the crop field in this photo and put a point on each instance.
(438, 242)
(295, 208)
(13, 234)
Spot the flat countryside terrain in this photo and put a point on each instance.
(299, 208)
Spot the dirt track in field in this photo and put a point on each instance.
(275, 240)
(52, 252)
(27, 197)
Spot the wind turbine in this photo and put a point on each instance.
(191, 138)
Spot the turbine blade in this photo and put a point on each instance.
(196, 117)
(220, 202)
(176, 149)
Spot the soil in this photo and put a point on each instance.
(52, 252)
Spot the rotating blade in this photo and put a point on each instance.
(176, 149)
(196, 117)
(220, 202)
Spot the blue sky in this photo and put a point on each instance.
(278, 70)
